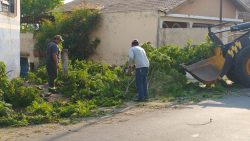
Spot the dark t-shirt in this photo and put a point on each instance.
(51, 49)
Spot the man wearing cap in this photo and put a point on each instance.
(52, 60)
(137, 55)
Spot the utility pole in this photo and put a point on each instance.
(221, 7)
(83, 3)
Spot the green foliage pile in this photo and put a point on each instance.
(166, 76)
(87, 86)
(14, 95)
(90, 85)
(6, 114)
(101, 83)
(39, 77)
(76, 29)
(15, 92)
(20, 95)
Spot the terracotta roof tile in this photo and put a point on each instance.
(244, 15)
(247, 2)
(125, 5)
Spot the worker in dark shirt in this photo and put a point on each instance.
(52, 61)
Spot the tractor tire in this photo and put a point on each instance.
(231, 75)
(240, 72)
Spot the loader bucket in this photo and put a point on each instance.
(207, 71)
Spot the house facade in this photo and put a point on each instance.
(10, 36)
(156, 21)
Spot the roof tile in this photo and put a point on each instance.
(109, 6)
(244, 15)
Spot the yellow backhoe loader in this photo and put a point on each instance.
(231, 59)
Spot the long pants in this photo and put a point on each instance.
(52, 74)
(141, 82)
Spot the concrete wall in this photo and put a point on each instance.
(180, 36)
(10, 41)
(117, 30)
(208, 8)
(27, 42)
(188, 20)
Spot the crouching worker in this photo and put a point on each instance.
(52, 61)
(137, 56)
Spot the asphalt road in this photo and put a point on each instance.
(227, 119)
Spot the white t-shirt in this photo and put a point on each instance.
(138, 55)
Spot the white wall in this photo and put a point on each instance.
(10, 41)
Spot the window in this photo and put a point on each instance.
(7, 6)
(201, 25)
(176, 25)
(170, 24)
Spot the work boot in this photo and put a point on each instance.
(53, 90)
(139, 100)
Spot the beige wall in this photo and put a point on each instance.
(180, 36)
(207, 8)
(117, 30)
(27, 46)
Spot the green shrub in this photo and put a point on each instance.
(92, 81)
(39, 77)
(22, 96)
(89, 85)
(166, 76)
(15, 91)
(7, 115)
(40, 108)
(32, 78)
(66, 110)
(42, 74)
(2, 71)
(76, 28)
(25, 96)
(5, 85)
(1, 94)
(38, 119)
(78, 109)
(39, 112)
(5, 109)
(8, 121)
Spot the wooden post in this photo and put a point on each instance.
(65, 62)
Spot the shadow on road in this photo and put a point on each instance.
(241, 102)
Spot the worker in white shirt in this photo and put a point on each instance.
(137, 56)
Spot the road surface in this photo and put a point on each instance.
(226, 119)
